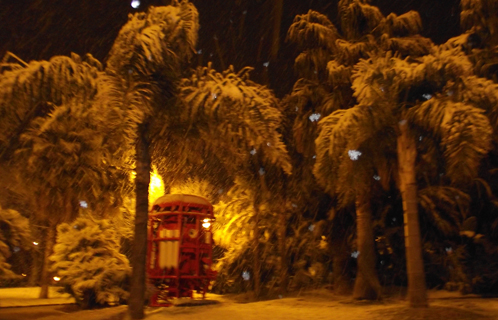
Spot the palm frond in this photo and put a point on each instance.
(339, 74)
(482, 94)
(231, 106)
(350, 52)
(445, 206)
(312, 30)
(444, 65)
(234, 216)
(413, 46)
(33, 91)
(64, 158)
(471, 14)
(464, 131)
(311, 63)
(338, 135)
(479, 15)
(156, 41)
(358, 18)
(125, 104)
(407, 24)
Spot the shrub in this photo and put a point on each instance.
(14, 242)
(87, 260)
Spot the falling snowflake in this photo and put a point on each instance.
(83, 204)
(314, 117)
(355, 254)
(311, 227)
(246, 275)
(314, 157)
(253, 151)
(376, 177)
(427, 96)
(266, 64)
(135, 4)
(354, 154)
(214, 96)
(199, 51)
(449, 249)
(261, 171)
(268, 144)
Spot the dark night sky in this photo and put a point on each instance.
(39, 29)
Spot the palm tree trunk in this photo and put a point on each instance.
(407, 154)
(257, 262)
(283, 252)
(142, 179)
(367, 284)
(47, 252)
(277, 21)
(340, 257)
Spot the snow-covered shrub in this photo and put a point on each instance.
(87, 260)
(14, 242)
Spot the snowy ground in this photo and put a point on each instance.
(316, 305)
(21, 297)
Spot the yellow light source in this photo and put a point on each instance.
(35, 243)
(156, 186)
(206, 224)
(57, 279)
(23, 274)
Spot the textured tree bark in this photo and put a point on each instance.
(142, 179)
(340, 256)
(36, 256)
(277, 21)
(407, 154)
(47, 252)
(257, 262)
(283, 252)
(367, 284)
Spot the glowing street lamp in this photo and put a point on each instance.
(206, 223)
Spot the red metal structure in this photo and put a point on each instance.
(179, 248)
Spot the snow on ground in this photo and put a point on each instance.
(315, 305)
(322, 304)
(22, 297)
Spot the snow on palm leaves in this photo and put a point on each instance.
(36, 89)
(157, 39)
(244, 114)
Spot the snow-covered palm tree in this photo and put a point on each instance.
(226, 110)
(35, 99)
(64, 160)
(408, 100)
(326, 67)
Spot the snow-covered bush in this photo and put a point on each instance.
(14, 242)
(88, 262)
